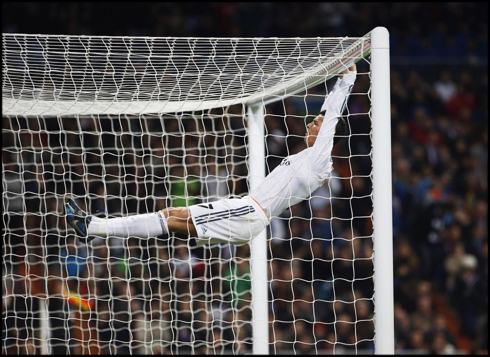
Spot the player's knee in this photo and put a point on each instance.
(179, 220)
(176, 212)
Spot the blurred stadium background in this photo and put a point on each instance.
(439, 96)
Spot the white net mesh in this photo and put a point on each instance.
(79, 120)
(71, 75)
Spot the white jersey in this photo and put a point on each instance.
(298, 176)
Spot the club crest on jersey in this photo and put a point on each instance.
(286, 162)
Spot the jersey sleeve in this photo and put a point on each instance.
(334, 105)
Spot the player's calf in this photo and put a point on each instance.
(88, 227)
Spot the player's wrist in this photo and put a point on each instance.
(349, 78)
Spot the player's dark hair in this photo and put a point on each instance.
(340, 130)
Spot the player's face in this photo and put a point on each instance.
(312, 130)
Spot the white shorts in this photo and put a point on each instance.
(234, 221)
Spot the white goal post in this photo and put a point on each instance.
(200, 91)
(383, 226)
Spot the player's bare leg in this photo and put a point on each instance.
(179, 220)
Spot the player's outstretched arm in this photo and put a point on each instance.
(336, 100)
(321, 131)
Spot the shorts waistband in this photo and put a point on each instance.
(259, 209)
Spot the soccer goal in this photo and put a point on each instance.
(131, 125)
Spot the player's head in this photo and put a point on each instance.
(313, 129)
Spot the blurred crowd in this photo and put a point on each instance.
(440, 145)
(166, 295)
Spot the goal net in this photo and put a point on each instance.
(131, 125)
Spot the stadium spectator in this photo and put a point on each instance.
(440, 345)
(445, 86)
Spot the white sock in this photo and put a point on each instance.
(140, 225)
